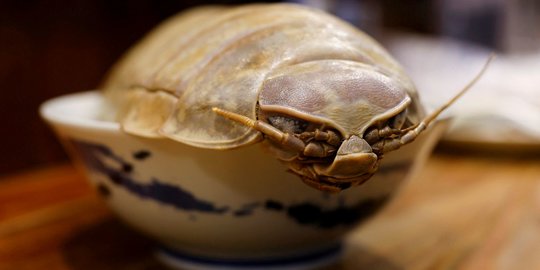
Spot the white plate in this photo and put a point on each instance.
(501, 111)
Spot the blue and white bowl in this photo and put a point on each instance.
(208, 209)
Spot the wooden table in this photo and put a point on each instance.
(461, 212)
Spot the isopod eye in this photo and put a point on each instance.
(400, 120)
(288, 124)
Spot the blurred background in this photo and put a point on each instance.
(50, 48)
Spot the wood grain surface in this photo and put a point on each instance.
(460, 212)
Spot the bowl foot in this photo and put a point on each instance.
(307, 261)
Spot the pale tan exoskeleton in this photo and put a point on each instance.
(326, 98)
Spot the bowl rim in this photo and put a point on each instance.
(57, 111)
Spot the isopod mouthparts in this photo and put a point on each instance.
(327, 97)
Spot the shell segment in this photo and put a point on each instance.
(346, 95)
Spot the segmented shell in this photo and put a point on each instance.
(167, 84)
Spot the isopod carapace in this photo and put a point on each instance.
(326, 98)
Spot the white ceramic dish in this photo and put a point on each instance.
(208, 209)
(500, 113)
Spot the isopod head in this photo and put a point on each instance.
(332, 121)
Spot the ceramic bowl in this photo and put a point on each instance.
(209, 209)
